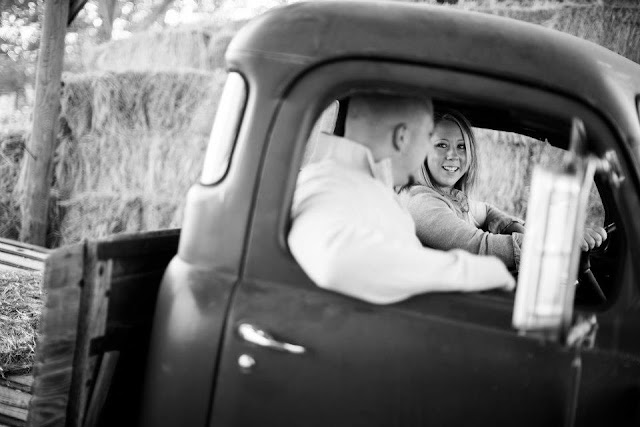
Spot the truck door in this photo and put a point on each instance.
(435, 360)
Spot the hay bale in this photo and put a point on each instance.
(11, 151)
(21, 300)
(536, 15)
(96, 215)
(153, 165)
(187, 47)
(76, 103)
(614, 26)
(127, 182)
(133, 148)
(506, 163)
(113, 103)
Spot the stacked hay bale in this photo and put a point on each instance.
(134, 148)
(614, 24)
(616, 27)
(135, 129)
(11, 151)
(506, 163)
(199, 47)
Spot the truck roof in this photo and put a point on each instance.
(292, 39)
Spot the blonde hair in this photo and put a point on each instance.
(468, 180)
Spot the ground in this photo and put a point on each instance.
(21, 301)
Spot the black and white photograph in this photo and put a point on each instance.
(221, 213)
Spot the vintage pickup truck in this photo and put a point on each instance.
(216, 324)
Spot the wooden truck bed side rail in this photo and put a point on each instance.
(95, 326)
(57, 337)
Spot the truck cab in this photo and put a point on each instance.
(235, 333)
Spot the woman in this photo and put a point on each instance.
(444, 215)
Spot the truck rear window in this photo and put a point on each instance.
(225, 130)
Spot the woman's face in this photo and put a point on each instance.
(447, 155)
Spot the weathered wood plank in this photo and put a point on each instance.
(15, 385)
(7, 421)
(14, 403)
(93, 312)
(57, 333)
(14, 399)
(19, 261)
(131, 245)
(32, 251)
(135, 279)
(103, 382)
(25, 380)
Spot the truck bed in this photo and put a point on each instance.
(16, 381)
(83, 367)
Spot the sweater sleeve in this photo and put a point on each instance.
(496, 220)
(342, 254)
(438, 226)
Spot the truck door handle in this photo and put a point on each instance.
(259, 337)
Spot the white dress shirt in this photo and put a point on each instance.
(350, 234)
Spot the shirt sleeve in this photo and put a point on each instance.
(438, 226)
(342, 254)
(496, 220)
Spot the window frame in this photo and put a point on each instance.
(268, 256)
(225, 129)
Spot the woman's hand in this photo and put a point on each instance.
(592, 238)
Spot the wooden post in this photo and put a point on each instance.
(38, 157)
(106, 9)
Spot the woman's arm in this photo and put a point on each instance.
(438, 226)
(499, 222)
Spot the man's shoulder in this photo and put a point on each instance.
(331, 171)
(326, 179)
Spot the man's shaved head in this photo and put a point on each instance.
(391, 126)
(375, 112)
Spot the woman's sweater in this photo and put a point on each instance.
(444, 223)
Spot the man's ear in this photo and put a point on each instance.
(400, 137)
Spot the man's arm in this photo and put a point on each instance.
(342, 254)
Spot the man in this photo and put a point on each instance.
(349, 233)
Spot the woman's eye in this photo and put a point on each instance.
(441, 145)
(462, 147)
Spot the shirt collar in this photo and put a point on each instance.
(353, 154)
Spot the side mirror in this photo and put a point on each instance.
(551, 248)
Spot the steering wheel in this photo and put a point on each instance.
(585, 275)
